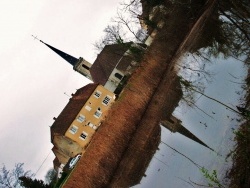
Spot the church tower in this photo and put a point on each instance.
(174, 125)
(80, 65)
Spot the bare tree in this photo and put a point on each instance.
(226, 31)
(187, 85)
(133, 7)
(10, 178)
(125, 26)
(238, 13)
(50, 175)
(113, 34)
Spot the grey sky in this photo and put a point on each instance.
(33, 79)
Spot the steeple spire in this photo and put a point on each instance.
(174, 125)
(80, 65)
(70, 59)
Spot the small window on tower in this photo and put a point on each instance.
(85, 66)
(119, 76)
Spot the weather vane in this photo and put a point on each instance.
(35, 38)
(66, 94)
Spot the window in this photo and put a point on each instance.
(83, 135)
(90, 124)
(106, 100)
(87, 107)
(73, 129)
(97, 94)
(119, 76)
(98, 113)
(81, 118)
(85, 66)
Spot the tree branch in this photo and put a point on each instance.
(242, 30)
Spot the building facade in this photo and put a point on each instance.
(90, 116)
(73, 129)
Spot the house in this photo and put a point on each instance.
(111, 66)
(73, 129)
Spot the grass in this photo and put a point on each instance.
(239, 175)
(61, 181)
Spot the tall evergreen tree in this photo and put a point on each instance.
(31, 183)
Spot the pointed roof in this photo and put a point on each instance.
(185, 132)
(70, 59)
(174, 125)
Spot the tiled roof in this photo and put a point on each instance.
(70, 111)
(106, 61)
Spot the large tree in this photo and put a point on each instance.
(227, 31)
(124, 27)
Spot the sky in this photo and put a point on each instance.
(35, 82)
